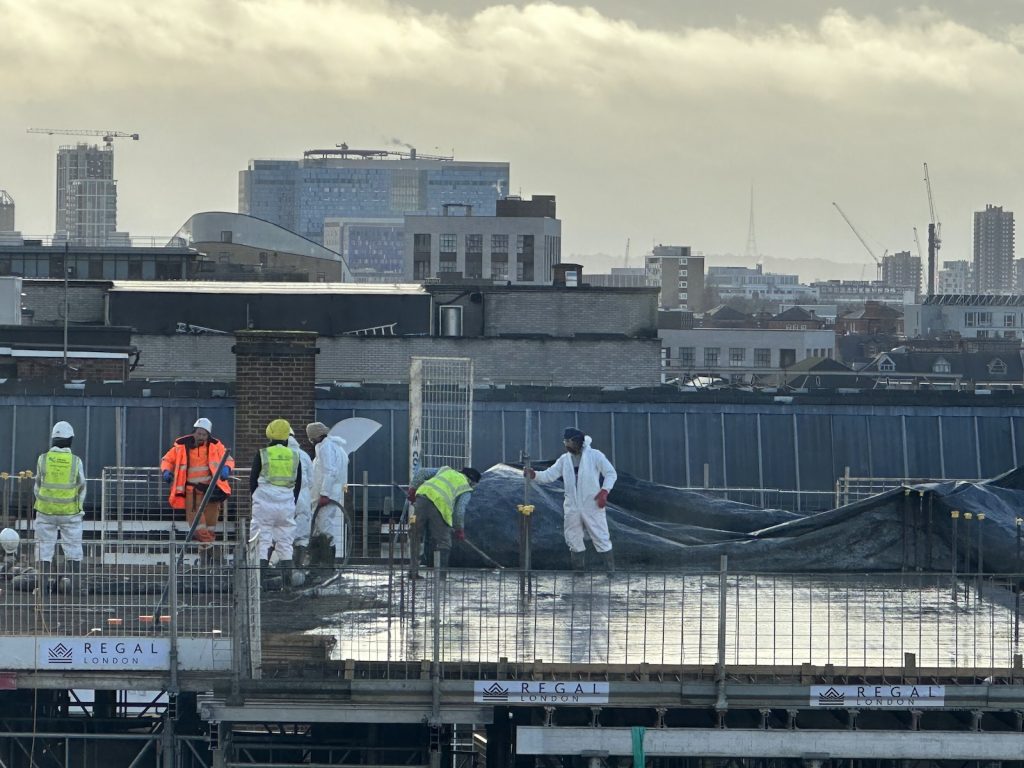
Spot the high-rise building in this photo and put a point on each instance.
(993, 250)
(368, 185)
(86, 205)
(902, 271)
(680, 275)
(6, 212)
(956, 277)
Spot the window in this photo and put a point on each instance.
(886, 364)
(711, 356)
(941, 366)
(499, 243)
(763, 358)
(687, 357)
(981, 334)
(474, 243)
(448, 243)
(499, 268)
(997, 367)
(737, 357)
(421, 243)
(1009, 320)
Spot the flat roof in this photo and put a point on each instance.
(215, 286)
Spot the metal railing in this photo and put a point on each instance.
(850, 489)
(873, 622)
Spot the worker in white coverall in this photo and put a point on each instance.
(274, 482)
(330, 474)
(59, 498)
(303, 504)
(588, 477)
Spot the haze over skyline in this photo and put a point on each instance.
(648, 120)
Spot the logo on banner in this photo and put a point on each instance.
(878, 696)
(103, 653)
(539, 692)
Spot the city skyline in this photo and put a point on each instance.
(648, 123)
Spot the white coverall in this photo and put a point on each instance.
(273, 517)
(304, 506)
(69, 526)
(580, 506)
(330, 474)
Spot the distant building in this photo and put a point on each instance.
(375, 245)
(1018, 275)
(902, 271)
(872, 319)
(6, 212)
(857, 291)
(679, 274)
(32, 259)
(237, 247)
(956, 277)
(997, 367)
(969, 316)
(993, 250)
(794, 319)
(86, 208)
(620, 277)
(517, 249)
(755, 283)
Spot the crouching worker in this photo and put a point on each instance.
(440, 497)
(13, 567)
(274, 483)
(59, 497)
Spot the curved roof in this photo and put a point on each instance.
(209, 226)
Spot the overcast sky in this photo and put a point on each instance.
(649, 119)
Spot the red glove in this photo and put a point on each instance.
(601, 498)
(460, 535)
(411, 495)
(323, 501)
(529, 472)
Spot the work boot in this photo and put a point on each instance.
(286, 568)
(44, 585)
(607, 561)
(71, 583)
(299, 555)
(579, 560)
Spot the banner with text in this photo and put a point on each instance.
(539, 692)
(878, 696)
(132, 653)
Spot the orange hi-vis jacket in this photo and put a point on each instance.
(194, 465)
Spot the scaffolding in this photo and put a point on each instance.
(440, 413)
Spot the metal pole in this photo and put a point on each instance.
(172, 581)
(969, 546)
(435, 666)
(1016, 595)
(981, 552)
(723, 568)
(954, 516)
(366, 513)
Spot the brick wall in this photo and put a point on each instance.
(274, 375)
(100, 369)
(45, 298)
(571, 311)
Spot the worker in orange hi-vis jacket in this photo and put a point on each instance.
(189, 467)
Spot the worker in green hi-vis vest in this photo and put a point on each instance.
(59, 497)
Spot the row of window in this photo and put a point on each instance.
(984, 319)
(738, 356)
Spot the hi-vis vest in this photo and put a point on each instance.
(58, 483)
(279, 465)
(443, 489)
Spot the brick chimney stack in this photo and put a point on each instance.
(275, 372)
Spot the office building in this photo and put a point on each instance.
(369, 185)
(374, 244)
(6, 212)
(993, 250)
(517, 249)
(902, 271)
(956, 277)
(86, 204)
(680, 275)
(970, 316)
(619, 277)
(755, 283)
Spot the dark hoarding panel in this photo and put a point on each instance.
(959, 447)
(143, 444)
(885, 440)
(995, 446)
(632, 450)
(851, 446)
(7, 438)
(924, 457)
(778, 451)
(742, 466)
(814, 431)
(33, 423)
(705, 428)
(668, 449)
(487, 447)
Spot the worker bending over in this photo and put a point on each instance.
(588, 478)
(440, 497)
(59, 503)
(274, 482)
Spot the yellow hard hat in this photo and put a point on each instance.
(278, 429)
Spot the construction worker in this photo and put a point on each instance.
(440, 497)
(581, 469)
(303, 504)
(13, 567)
(274, 481)
(59, 497)
(327, 492)
(189, 467)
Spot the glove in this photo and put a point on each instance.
(168, 475)
(411, 495)
(601, 498)
(225, 472)
(460, 535)
(529, 472)
(323, 501)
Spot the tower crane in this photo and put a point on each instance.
(934, 234)
(108, 136)
(878, 261)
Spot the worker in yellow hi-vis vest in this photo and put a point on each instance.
(59, 497)
(440, 497)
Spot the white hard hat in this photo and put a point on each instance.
(62, 430)
(9, 540)
(203, 423)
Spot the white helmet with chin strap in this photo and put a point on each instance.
(9, 540)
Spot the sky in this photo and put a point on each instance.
(650, 120)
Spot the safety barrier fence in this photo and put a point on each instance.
(879, 622)
(850, 489)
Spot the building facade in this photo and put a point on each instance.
(375, 245)
(679, 274)
(755, 283)
(993, 250)
(86, 200)
(857, 291)
(902, 271)
(956, 277)
(6, 212)
(515, 249)
(971, 316)
(32, 259)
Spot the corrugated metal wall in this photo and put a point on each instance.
(771, 446)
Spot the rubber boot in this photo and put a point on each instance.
(71, 583)
(44, 569)
(299, 555)
(579, 560)
(607, 561)
(286, 567)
